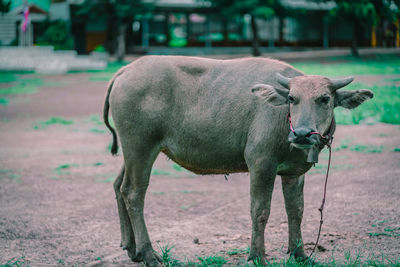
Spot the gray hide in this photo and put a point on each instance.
(217, 117)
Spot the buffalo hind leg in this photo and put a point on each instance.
(294, 203)
(133, 189)
(127, 236)
(261, 187)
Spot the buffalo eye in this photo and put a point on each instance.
(324, 99)
(291, 99)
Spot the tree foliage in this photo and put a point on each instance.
(256, 8)
(118, 14)
(364, 13)
(4, 6)
(121, 10)
(367, 12)
(55, 34)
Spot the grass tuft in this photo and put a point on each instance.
(106, 74)
(238, 251)
(19, 90)
(51, 121)
(14, 262)
(346, 66)
(4, 101)
(8, 173)
(212, 261)
(160, 172)
(98, 131)
(66, 166)
(167, 258)
(7, 77)
(107, 178)
(349, 258)
(367, 149)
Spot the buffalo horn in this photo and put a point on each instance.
(282, 80)
(342, 82)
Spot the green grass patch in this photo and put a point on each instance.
(106, 178)
(106, 74)
(66, 166)
(397, 149)
(20, 85)
(51, 121)
(347, 66)
(157, 193)
(160, 172)
(381, 135)
(321, 168)
(212, 261)
(367, 149)
(63, 169)
(344, 144)
(4, 101)
(112, 67)
(14, 262)
(384, 107)
(178, 168)
(101, 77)
(95, 119)
(187, 191)
(378, 223)
(238, 251)
(9, 174)
(98, 131)
(392, 79)
(166, 257)
(7, 77)
(381, 228)
(19, 90)
(350, 258)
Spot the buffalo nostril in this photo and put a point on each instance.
(303, 132)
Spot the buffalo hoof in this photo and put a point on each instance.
(132, 254)
(149, 257)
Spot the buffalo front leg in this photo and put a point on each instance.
(261, 187)
(294, 203)
(127, 236)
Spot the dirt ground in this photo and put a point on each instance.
(57, 205)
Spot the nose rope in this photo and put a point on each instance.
(328, 142)
(326, 137)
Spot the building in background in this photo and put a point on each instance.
(193, 23)
(12, 29)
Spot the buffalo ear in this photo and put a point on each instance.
(270, 94)
(352, 99)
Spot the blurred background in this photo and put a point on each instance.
(120, 27)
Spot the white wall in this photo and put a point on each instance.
(7, 29)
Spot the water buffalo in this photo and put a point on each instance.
(218, 117)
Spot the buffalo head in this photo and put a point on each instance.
(311, 101)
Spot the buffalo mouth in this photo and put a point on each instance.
(301, 146)
(305, 142)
